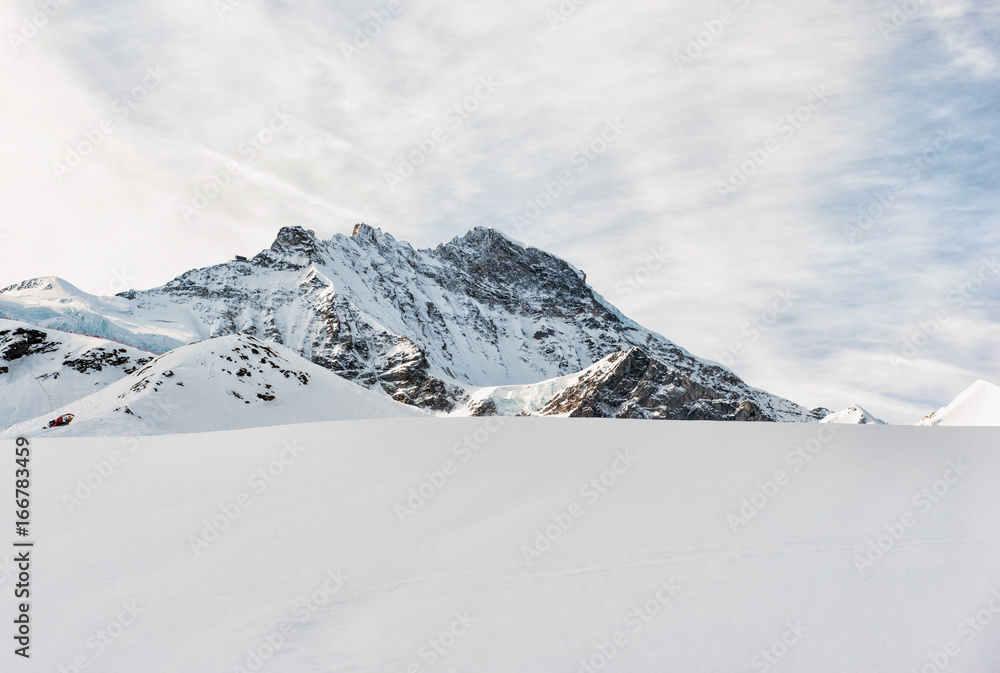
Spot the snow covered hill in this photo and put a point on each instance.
(42, 369)
(853, 415)
(979, 404)
(224, 383)
(535, 545)
(426, 326)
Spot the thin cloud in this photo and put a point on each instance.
(688, 126)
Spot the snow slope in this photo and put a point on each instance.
(42, 370)
(854, 415)
(649, 573)
(979, 404)
(218, 384)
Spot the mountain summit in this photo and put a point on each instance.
(431, 328)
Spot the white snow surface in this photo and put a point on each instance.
(855, 415)
(979, 404)
(320, 499)
(226, 383)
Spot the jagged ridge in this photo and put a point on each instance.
(429, 326)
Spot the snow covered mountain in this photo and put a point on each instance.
(42, 369)
(979, 404)
(226, 383)
(429, 327)
(853, 415)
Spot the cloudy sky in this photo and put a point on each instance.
(807, 192)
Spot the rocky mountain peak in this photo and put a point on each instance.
(368, 236)
(51, 284)
(296, 240)
(365, 233)
(489, 254)
(486, 239)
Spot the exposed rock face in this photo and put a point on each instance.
(631, 384)
(431, 326)
(98, 358)
(22, 342)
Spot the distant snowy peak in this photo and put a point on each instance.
(978, 405)
(853, 415)
(50, 286)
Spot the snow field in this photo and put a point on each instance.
(532, 544)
